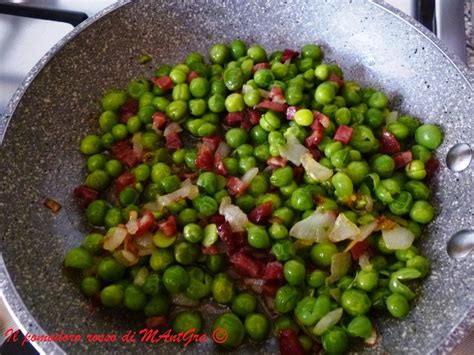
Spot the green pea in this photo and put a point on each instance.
(215, 263)
(158, 305)
(316, 279)
(90, 145)
(128, 196)
(321, 72)
(205, 205)
(175, 279)
(110, 270)
(357, 171)
(134, 298)
(90, 286)
(335, 341)
(111, 296)
(113, 99)
(420, 153)
(270, 121)
(282, 176)
(301, 199)
(278, 231)
(233, 79)
(186, 321)
(374, 117)
(429, 136)
(113, 217)
(294, 272)
(178, 76)
(419, 263)
(342, 184)
(378, 100)
(325, 93)
(322, 253)
(234, 103)
(360, 326)
(263, 78)
(285, 322)
(331, 148)
(222, 288)
(384, 165)
(107, 120)
(343, 116)
(259, 185)
(218, 88)
(160, 259)
(422, 212)
(159, 171)
(363, 139)
(199, 87)
(397, 305)
(244, 304)
(355, 302)
(219, 54)
(415, 170)
(176, 110)
(398, 129)
(258, 237)
(96, 211)
(93, 243)
(186, 216)
(294, 95)
(401, 204)
(234, 330)
(279, 70)
(197, 107)
(286, 298)
(152, 285)
(200, 284)
(78, 258)
(236, 137)
(257, 54)
(341, 158)
(410, 122)
(252, 97)
(256, 326)
(238, 49)
(304, 117)
(366, 280)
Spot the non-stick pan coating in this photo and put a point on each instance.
(40, 156)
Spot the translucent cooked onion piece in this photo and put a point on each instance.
(141, 276)
(181, 299)
(233, 215)
(315, 227)
(343, 229)
(132, 224)
(340, 265)
(328, 321)
(365, 231)
(126, 257)
(364, 262)
(293, 150)
(115, 239)
(223, 150)
(249, 175)
(173, 127)
(144, 244)
(398, 238)
(315, 170)
(187, 190)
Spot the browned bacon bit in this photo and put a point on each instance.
(52, 205)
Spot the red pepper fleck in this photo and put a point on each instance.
(261, 213)
(145, 223)
(235, 186)
(288, 54)
(159, 120)
(234, 119)
(124, 180)
(173, 141)
(316, 136)
(253, 116)
(192, 75)
(86, 194)
(402, 159)
(163, 82)
(270, 105)
(168, 226)
(123, 151)
(289, 343)
(273, 271)
(245, 265)
(388, 143)
(343, 134)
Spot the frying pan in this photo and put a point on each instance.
(58, 103)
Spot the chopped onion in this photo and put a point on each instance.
(365, 231)
(132, 224)
(144, 244)
(223, 150)
(340, 265)
(233, 215)
(125, 257)
(173, 127)
(140, 277)
(391, 117)
(114, 240)
(246, 88)
(256, 285)
(293, 150)
(181, 299)
(343, 229)
(249, 175)
(315, 227)
(372, 339)
(398, 237)
(187, 190)
(364, 262)
(327, 321)
(315, 170)
(137, 143)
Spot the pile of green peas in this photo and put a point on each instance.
(177, 265)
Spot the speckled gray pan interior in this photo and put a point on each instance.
(49, 115)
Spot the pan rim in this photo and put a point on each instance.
(9, 292)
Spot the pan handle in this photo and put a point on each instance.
(72, 17)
